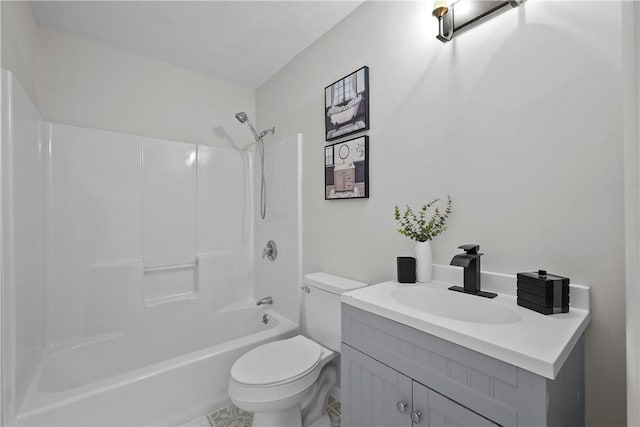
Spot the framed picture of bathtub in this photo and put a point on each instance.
(346, 169)
(346, 105)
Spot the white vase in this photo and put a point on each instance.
(424, 261)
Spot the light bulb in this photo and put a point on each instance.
(440, 8)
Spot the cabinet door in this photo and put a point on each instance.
(438, 411)
(372, 393)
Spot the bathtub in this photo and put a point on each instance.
(156, 375)
(348, 114)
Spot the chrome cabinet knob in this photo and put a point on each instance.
(416, 416)
(402, 406)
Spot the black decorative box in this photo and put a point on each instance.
(544, 293)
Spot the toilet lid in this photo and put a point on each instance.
(277, 362)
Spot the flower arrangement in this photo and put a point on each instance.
(415, 225)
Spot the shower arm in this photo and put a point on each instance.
(266, 131)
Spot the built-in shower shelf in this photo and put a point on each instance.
(170, 267)
(150, 302)
(170, 282)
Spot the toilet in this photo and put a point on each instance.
(285, 383)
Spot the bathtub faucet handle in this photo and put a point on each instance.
(270, 251)
(265, 300)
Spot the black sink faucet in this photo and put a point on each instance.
(470, 261)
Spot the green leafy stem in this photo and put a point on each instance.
(415, 225)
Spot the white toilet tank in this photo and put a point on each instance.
(322, 293)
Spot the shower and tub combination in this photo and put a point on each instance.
(131, 267)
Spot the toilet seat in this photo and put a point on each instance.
(290, 384)
(277, 363)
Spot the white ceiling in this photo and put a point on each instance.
(245, 42)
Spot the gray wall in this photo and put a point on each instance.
(631, 56)
(137, 95)
(20, 44)
(64, 75)
(519, 119)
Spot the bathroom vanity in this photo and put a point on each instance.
(423, 355)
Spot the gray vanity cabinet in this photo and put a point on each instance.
(435, 410)
(385, 364)
(382, 397)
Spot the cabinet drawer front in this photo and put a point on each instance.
(487, 386)
(371, 392)
(438, 411)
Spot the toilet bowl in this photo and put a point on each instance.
(278, 380)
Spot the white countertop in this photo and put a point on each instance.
(538, 343)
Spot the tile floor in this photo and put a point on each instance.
(333, 410)
(232, 416)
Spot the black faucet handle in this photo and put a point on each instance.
(470, 248)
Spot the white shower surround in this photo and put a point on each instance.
(283, 224)
(120, 207)
(22, 240)
(98, 211)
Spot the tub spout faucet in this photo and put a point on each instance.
(265, 300)
(470, 261)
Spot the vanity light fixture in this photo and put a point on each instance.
(445, 19)
(459, 14)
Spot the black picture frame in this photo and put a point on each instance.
(346, 105)
(346, 169)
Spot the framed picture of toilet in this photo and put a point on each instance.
(346, 105)
(346, 169)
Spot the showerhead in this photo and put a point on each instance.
(241, 116)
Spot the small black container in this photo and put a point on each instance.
(540, 308)
(406, 269)
(544, 293)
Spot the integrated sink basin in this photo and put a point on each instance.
(497, 327)
(455, 306)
